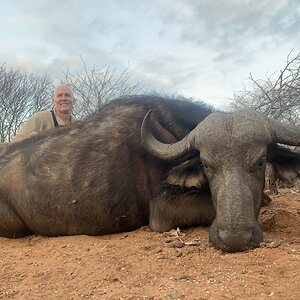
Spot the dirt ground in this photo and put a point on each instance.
(149, 265)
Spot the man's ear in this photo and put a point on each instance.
(285, 161)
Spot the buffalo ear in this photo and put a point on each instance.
(187, 174)
(285, 161)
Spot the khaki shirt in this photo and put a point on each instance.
(40, 121)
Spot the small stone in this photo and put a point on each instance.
(184, 277)
(177, 244)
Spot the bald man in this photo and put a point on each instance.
(63, 101)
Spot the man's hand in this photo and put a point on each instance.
(19, 137)
(33, 133)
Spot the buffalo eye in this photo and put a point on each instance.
(205, 166)
(208, 167)
(259, 165)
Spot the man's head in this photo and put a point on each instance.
(63, 99)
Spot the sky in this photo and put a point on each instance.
(201, 49)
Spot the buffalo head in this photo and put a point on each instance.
(233, 149)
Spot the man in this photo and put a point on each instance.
(63, 101)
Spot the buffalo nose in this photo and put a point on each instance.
(235, 239)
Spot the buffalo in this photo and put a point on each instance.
(147, 160)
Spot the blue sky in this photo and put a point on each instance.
(197, 48)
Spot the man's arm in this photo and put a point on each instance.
(19, 137)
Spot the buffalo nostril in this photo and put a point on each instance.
(240, 238)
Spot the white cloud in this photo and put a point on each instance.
(199, 48)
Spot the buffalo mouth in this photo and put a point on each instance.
(229, 240)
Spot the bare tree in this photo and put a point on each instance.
(21, 95)
(96, 86)
(278, 98)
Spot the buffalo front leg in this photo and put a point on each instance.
(175, 208)
(11, 225)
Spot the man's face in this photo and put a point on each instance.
(63, 99)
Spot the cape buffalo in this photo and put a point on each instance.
(184, 165)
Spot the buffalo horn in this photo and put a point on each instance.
(284, 133)
(159, 149)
